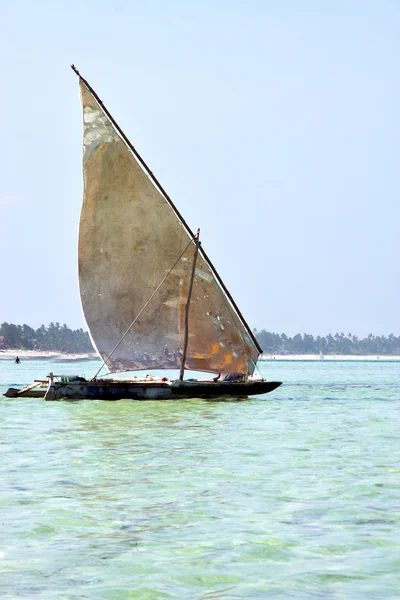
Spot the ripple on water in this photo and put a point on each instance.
(266, 498)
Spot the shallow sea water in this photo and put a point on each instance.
(295, 494)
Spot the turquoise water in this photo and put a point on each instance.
(295, 494)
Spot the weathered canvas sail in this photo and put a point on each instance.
(129, 239)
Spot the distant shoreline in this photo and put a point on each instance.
(331, 357)
(11, 353)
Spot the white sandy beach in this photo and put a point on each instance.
(331, 357)
(10, 354)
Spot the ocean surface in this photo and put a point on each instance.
(295, 494)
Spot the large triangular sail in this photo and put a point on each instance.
(129, 238)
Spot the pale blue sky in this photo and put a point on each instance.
(274, 126)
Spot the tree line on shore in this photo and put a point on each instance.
(61, 338)
(55, 337)
(275, 343)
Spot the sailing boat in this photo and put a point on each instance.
(150, 295)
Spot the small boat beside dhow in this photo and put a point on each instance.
(151, 297)
(36, 390)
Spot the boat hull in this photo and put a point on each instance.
(119, 390)
(23, 393)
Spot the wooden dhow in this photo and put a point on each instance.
(151, 297)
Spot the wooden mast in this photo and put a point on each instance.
(186, 339)
(168, 199)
